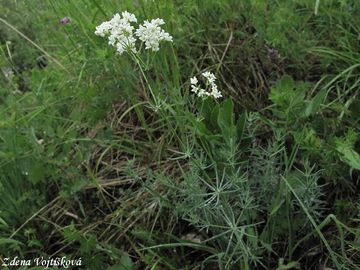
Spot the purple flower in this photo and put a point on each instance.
(65, 20)
(273, 54)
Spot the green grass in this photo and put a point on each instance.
(112, 159)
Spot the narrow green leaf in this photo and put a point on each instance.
(240, 126)
(315, 103)
(7, 241)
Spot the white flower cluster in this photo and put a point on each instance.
(151, 33)
(121, 32)
(211, 87)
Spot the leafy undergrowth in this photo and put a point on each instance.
(113, 158)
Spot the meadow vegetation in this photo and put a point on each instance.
(118, 159)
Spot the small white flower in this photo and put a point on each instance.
(194, 80)
(40, 141)
(202, 93)
(194, 88)
(215, 92)
(210, 77)
(152, 34)
(129, 16)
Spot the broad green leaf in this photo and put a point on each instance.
(345, 146)
(225, 119)
(350, 156)
(213, 118)
(201, 129)
(226, 112)
(206, 105)
(37, 172)
(240, 126)
(124, 264)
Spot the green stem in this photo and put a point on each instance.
(138, 60)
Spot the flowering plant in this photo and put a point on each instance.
(211, 89)
(123, 36)
(121, 33)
